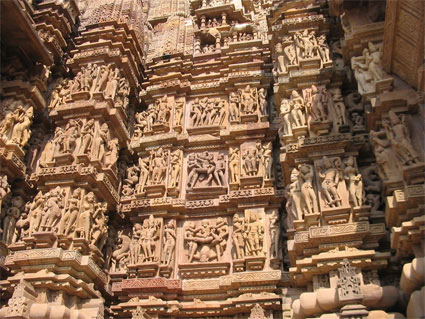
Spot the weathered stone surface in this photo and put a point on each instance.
(214, 159)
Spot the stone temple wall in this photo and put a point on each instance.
(217, 159)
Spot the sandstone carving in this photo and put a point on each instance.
(211, 159)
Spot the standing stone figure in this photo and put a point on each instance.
(355, 184)
(398, 135)
(253, 235)
(170, 237)
(308, 194)
(330, 177)
(234, 165)
(238, 236)
(274, 229)
(293, 199)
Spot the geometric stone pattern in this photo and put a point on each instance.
(218, 159)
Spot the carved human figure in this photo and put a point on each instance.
(192, 245)
(178, 111)
(220, 232)
(71, 213)
(85, 219)
(170, 237)
(175, 163)
(158, 166)
(399, 137)
(274, 232)
(306, 43)
(99, 231)
(234, 165)
(22, 225)
(219, 172)
(55, 98)
(262, 102)
(112, 84)
(330, 177)
(109, 246)
(149, 238)
(87, 133)
(203, 165)
(52, 210)
(355, 183)
(293, 199)
(102, 78)
(374, 62)
(317, 108)
(248, 100)
(338, 106)
(196, 112)
(308, 194)
(21, 130)
(141, 179)
(285, 113)
(251, 161)
(238, 236)
(135, 244)
(290, 54)
(281, 65)
(11, 117)
(111, 154)
(36, 212)
(100, 142)
(234, 102)
(254, 235)
(12, 216)
(323, 49)
(121, 252)
(383, 154)
(368, 68)
(297, 112)
(163, 109)
(71, 134)
(267, 160)
(4, 191)
(363, 78)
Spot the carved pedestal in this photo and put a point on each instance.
(312, 63)
(204, 270)
(311, 219)
(251, 181)
(300, 131)
(254, 263)
(287, 139)
(336, 215)
(165, 271)
(414, 174)
(275, 263)
(148, 269)
(160, 128)
(234, 186)
(361, 213)
(44, 239)
(64, 159)
(117, 275)
(249, 118)
(238, 265)
(155, 190)
(320, 128)
(81, 245)
(207, 129)
(83, 159)
(207, 191)
(80, 96)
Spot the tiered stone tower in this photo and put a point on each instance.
(215, 159)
